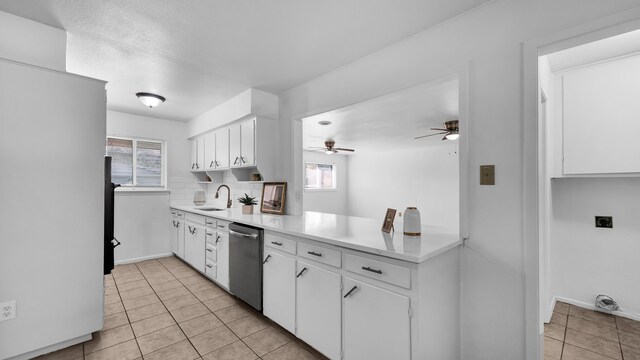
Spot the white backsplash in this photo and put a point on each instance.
(183, 188)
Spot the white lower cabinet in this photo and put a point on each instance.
(279, 289)
(194, 245)
(177, 234)
(376, 322)
(318, 308)
(222, 247)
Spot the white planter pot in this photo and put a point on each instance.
(247, 209)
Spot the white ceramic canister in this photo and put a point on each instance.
(412, 226)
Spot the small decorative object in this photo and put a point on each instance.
(199, 198)
(412, 226)
(273, 195)
(387, 225)
(255, 177)
(247, 203)
(606, 303)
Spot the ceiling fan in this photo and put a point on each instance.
(450, 131)
(329, 148)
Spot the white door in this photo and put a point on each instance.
(223, 258)
(279, 289)
(180, 238)
(376, 323)
(222, 148)
(194, 154)
(200, 165)
(195, 245)
(247, 143)
(210, 151)
(318, 309)
(234, 145)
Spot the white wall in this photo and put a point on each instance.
(141, 221)
(425, 177)
(587, 261)
(487, 42)
(32, 43)
(329, 201)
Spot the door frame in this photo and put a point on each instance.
(534, 160)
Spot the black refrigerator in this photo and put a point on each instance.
(110, 242)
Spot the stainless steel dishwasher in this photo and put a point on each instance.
(245, 263)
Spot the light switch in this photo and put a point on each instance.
(487, 174)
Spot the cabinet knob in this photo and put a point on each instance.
(314, 253)
(301, 272)
(350, 291)
(372, 270)
(266, 259)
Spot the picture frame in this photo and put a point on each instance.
(273, 197)
(387, 224)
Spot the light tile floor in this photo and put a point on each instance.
(163, 309)
(578, 334)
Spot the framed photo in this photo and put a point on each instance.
(387, 225)
(273, 195)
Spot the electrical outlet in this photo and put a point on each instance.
(8, 310)
(604, 222)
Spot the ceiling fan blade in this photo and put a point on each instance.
(316, 147)
(343, 149)
(438, 129)
(424, 136)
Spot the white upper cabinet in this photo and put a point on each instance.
(600, 110)
(197, 154)
(235, 148)
(222, 148)
(209, 151)
(247, 142)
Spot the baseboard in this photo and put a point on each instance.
(150, 257)
(52, 348)
(593, 307)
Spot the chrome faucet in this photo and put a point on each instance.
(228, 195)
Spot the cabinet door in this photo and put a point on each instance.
(194, 154)
(200, 165)
(247, 143)
(279, 289)
(195, 245)
(318, 309)
(222, 148)
(376, 323)
(234, 145)
(210, 151)
(180, 238)
(174, 234)
(223, 258)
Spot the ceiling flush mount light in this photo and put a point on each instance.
(324, 122)
(150, 100)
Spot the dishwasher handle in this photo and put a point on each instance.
(243, 234)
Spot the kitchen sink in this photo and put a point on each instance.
(209, 209)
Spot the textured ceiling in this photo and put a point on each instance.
(199, 54)
(388, 122)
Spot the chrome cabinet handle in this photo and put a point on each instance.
(218, 238)
(221, 226)
(209, 234)
(350, 291)
(197, 166)
(301, 272)
(372, 270)
(242, 159)
(266, 259)
(314, 253)
(193, 165)
(276, 243)
(209, 266)
(209, 249)
(235, 161)
(217, 163)
(211, 165)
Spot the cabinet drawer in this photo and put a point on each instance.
(320, 253)
(389, 273)
(195, 218)
(211, 269)
(280, 243)
(180, 215)
(210, 223)
(222, 226)
(212, 252)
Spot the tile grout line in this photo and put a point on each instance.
(125, 309)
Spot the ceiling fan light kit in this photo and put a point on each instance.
(150, 100)
(450, 132)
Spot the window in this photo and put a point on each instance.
(146, 169)
(319, 176)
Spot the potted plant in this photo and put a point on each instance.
(247, 203)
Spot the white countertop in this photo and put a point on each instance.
(350, 232)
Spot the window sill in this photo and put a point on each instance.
(320, 190)
(132, 190)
